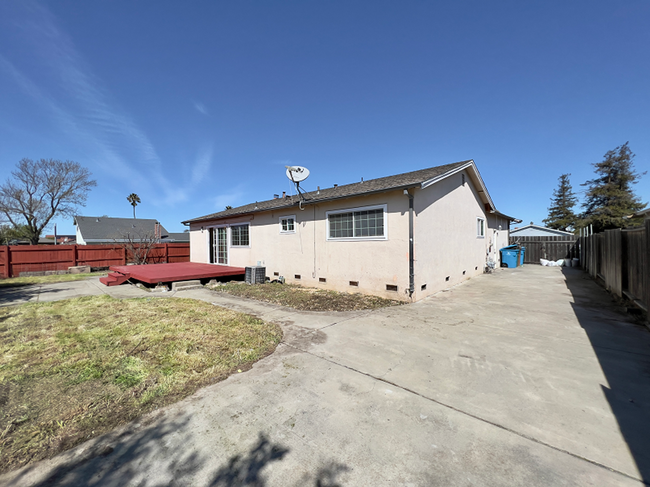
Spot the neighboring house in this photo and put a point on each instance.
(93, 230)
(180, 237)
(537, 231)
(643, 213)
(356, 237)
(60, 240)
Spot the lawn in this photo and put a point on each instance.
(74, 369)
(304, 298)
(31, 280)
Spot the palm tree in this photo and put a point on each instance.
(134, 199)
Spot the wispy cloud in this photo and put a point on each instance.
(232, 198)
(85, 111)
(201, 108)
(202, 165)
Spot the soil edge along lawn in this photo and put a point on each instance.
(305, 298)
(74, 369)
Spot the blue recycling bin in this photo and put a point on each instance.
(510, 256)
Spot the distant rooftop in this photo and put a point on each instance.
(96, 229)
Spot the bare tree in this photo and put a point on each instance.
(134, 199)
(138, 245)
(38, 191)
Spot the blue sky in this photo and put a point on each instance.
(198, 105)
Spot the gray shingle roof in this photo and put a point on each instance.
(177, 237)
(405, 180)
(107, 229)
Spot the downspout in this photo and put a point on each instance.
(411, 259)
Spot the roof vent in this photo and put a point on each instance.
(96, 220)
(276, 196)
(335, 185)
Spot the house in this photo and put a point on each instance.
(643, 213)
(537, 231)
(176, 237)
(60, 240)
(402, 237)
(93, 230)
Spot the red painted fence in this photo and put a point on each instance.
(15, 259)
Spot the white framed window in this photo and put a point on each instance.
(239, 235)
(365, 223)
(288, 224)
(480, 227)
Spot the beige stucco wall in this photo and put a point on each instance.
(308, 254)
(498, 237)
(447, 248)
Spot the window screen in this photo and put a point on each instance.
(239, 235)
(365, 223)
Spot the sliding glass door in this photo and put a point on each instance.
(219, 245)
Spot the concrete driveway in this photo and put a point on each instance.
(525, 377)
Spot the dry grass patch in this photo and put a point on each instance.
(306, 299)
(54, 278)
(73, 369)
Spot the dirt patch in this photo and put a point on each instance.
(305, 299)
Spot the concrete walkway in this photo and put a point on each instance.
(66, 290)
(525, 377)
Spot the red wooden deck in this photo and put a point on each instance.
(179, 271)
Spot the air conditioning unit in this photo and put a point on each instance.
(255, 275)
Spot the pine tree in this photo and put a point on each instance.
(560, 213)
(610, 196)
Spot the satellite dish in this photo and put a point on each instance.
(297, 173)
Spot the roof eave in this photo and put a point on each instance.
(503, 215)
(482, 189)
(319, 200)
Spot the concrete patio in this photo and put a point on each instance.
(529, 376)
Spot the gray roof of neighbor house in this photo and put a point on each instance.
(421, 178)
(108, 229)
(177, 237)
(645, 213)
(540, 228)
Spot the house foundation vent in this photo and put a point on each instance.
(354, 283)
(423, 287)
(391, 287)
(296, 276)
(322, 279)
(255, 275)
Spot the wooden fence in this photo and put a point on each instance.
(15, 259)
(549, 248)
(620, 260)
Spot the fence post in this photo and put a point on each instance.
(166, 253)
(8, 261)
(124, 255)
(646, 271)
(74, 255)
